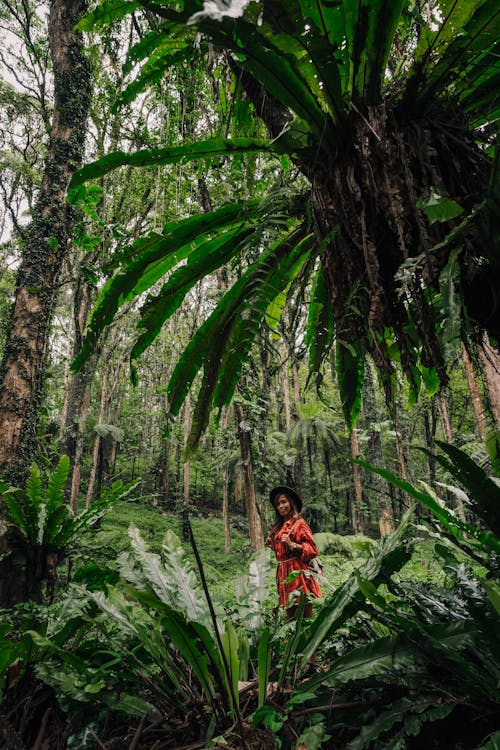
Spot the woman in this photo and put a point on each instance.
(294, 546)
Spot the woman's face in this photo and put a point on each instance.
(283, 506)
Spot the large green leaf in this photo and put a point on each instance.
(55, 487)
(156, 157)
(484, 493)
(470, 537)
(223, 341)
(107, 13)
(170, 578)
(456, 51)
(148, 259)
(370, 27)
(207, 258)
(390, 556)
(320, 322)
(350, 362)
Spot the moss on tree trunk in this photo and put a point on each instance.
(47, 240)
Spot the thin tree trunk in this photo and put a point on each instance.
(225, 490)
(254, 523)
(430, 434)
(47, 240)
(164, 472)
(445, 416)
(375, 454)
(97, 441)
(186, 471)
(400, 453)
(357, 506)
(66, 384)
(286, 397)
(477, 403)
(80, 383)
(446, 422)
(296, 389)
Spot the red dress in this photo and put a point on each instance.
(289, 560)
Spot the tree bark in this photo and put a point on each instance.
(490, 360)
(186, 471)
(477, 403)
(46, 242)
(357, 518)
(97, 442)
(400, 453)
(448, 433)
(225, 490)
(430, 434)
(286, 397)
(254, 523)
(375, 455)
(445, 415)
(80, 384)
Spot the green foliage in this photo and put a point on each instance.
(215, 147)
(484, 497)
(321, 65)
(42, 518)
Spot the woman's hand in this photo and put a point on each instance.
(290, 544)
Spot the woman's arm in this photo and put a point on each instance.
(304, 544)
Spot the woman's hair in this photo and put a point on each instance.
(278, 521)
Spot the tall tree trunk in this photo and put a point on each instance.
(357, 519)
(186, 471)
(164, 471)
(97, 442)
(490, 360)
(477, 403)
(286, 397)
(430, 434)
(400, 453)
(375, 455)
(296, 389)
(445, 415)
(80, 383)
(225, 488)
(254, 523)
(47, 240)
(448, 433)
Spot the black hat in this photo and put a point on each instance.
(282, 490)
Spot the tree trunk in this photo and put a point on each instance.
(80, 384)
(225, 490)
(446, 422)
(286, 397)
(430, 434)
(296, 390)
(97, 442)
(375, 455)
(47, 240)
(164, 472)
(186, 471)
(400, 453)
(477, 403)
(445, 415)
(357, 519)
(490, 359)
(254, 523)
